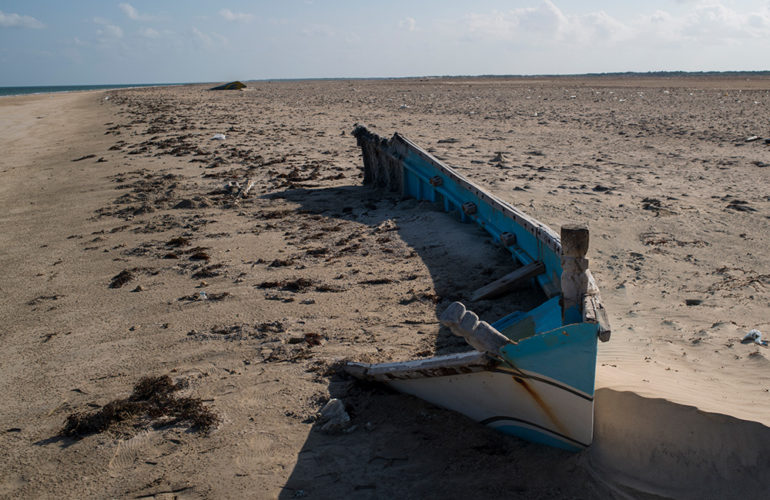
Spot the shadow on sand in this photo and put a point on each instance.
(459, 257)
(402, 447)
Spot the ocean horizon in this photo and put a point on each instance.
(52, 89)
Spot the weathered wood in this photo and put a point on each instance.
(574, 240)
(509, 281)
(580, 295)
(574, 276)
(479, 334)
(594, 312)
(439, 366)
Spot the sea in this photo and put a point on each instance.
(6, 91)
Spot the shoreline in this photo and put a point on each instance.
(71, 222)
(99, 88)
(740, 80)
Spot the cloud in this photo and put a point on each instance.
(149, 33)
(19, 21)
(207, 40)
(318, 30)
(108, 30)
(408, 23)
(705, 23)
(133, 14)
(546, 24)
(235, 16)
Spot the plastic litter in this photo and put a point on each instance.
(204, 296)
(754, 336)
(218, 137)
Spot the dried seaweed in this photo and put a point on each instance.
(152, 401)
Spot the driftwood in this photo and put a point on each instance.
(508, 282)
(245, 191)
(238, 190)
(479, 334)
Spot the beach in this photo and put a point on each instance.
(126, 255)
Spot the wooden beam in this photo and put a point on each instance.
(509, 281)
(580, 295)
(574, 274)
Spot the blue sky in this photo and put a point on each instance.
(54, 42)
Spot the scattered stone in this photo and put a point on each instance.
(333, 418)
(139, 288)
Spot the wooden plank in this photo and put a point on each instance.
(509, 281)
(439, 366)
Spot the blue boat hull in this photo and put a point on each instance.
(533, 375)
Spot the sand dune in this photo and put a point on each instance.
(654, 446)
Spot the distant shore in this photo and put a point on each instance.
(613, 76)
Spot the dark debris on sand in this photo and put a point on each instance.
(121, 278)
(152, 403)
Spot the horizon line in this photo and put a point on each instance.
(667, 73)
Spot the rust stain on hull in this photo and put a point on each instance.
(542, 404)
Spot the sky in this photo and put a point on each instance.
(80, 42)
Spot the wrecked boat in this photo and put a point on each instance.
(530, 374)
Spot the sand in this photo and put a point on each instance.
(310, 269)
